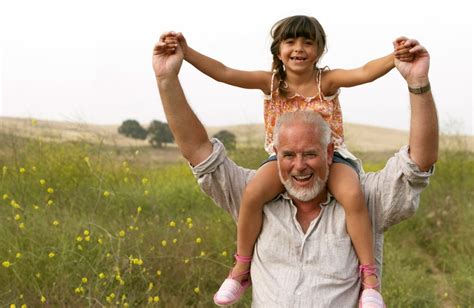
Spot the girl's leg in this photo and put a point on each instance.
(344, 185)
(265, 186)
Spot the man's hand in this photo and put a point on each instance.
(167, 56)
(416, 71)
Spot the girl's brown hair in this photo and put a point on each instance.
(294, 27)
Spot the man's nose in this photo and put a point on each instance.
(300, 163)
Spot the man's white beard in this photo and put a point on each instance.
(305, 194)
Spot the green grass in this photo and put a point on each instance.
(122, 230)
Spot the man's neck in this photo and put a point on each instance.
(309, 210)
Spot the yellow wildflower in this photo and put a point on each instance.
(42, 181)
(139, 209)
(79, 238)
(84, 279)
(189, 220)
(14, 204)
(158, 273)
(51, 254)
(43, 299)
(100, 241)
(156, 299)
(196, 290)
(106, 194)
(50, 190)
(101, 276)
(21, 225)
(146, 192)
(55, 223)
(144, 181)
(190, 226)
(87, 238)
(224, 253)
(186, 261)
(175, 240)
(150, 286)
(198, 240)
(18, 255)
(163, 243)
(50, 202)
(12, 306)
(5, 196)
(86, 232)
(34, 122)
(122, 233)
(17, 217)
(202, 254)
(6, 264)
(22, 170)
(172, 224)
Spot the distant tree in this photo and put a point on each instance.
(227, 138)
(133, 129)
(159, 133)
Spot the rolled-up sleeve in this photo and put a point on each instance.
(393, 194)
(221, 179)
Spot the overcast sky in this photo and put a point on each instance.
(90, 61)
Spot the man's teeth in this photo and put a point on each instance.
(302, 177)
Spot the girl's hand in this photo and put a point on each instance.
(402, 52)
(182, 42)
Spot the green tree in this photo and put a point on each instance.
(133, 129)
(159, 133)
(227, 138)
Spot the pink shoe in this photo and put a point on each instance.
(370, 298)
(232, 290)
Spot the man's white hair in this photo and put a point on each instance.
(306, 117)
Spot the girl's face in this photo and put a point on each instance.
(298, 54)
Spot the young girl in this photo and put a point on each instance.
(296, 82)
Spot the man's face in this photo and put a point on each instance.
(302, 161)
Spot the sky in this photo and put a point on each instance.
(90, 61)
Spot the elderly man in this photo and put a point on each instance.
(303, 256)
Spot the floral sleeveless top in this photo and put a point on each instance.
(328, 107)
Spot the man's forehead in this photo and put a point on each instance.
(299, 130)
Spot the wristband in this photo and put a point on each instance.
(420, 90)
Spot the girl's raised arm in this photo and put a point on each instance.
(218, 71)
(334, 79)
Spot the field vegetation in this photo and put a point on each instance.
(87, 224)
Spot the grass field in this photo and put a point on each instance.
(96, 224)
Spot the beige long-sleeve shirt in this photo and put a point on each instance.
(318, 268)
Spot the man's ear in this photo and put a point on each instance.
(330, 152)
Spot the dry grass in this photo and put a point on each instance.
(359, 138)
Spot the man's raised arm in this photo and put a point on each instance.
(424, 133)
(188, 131)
